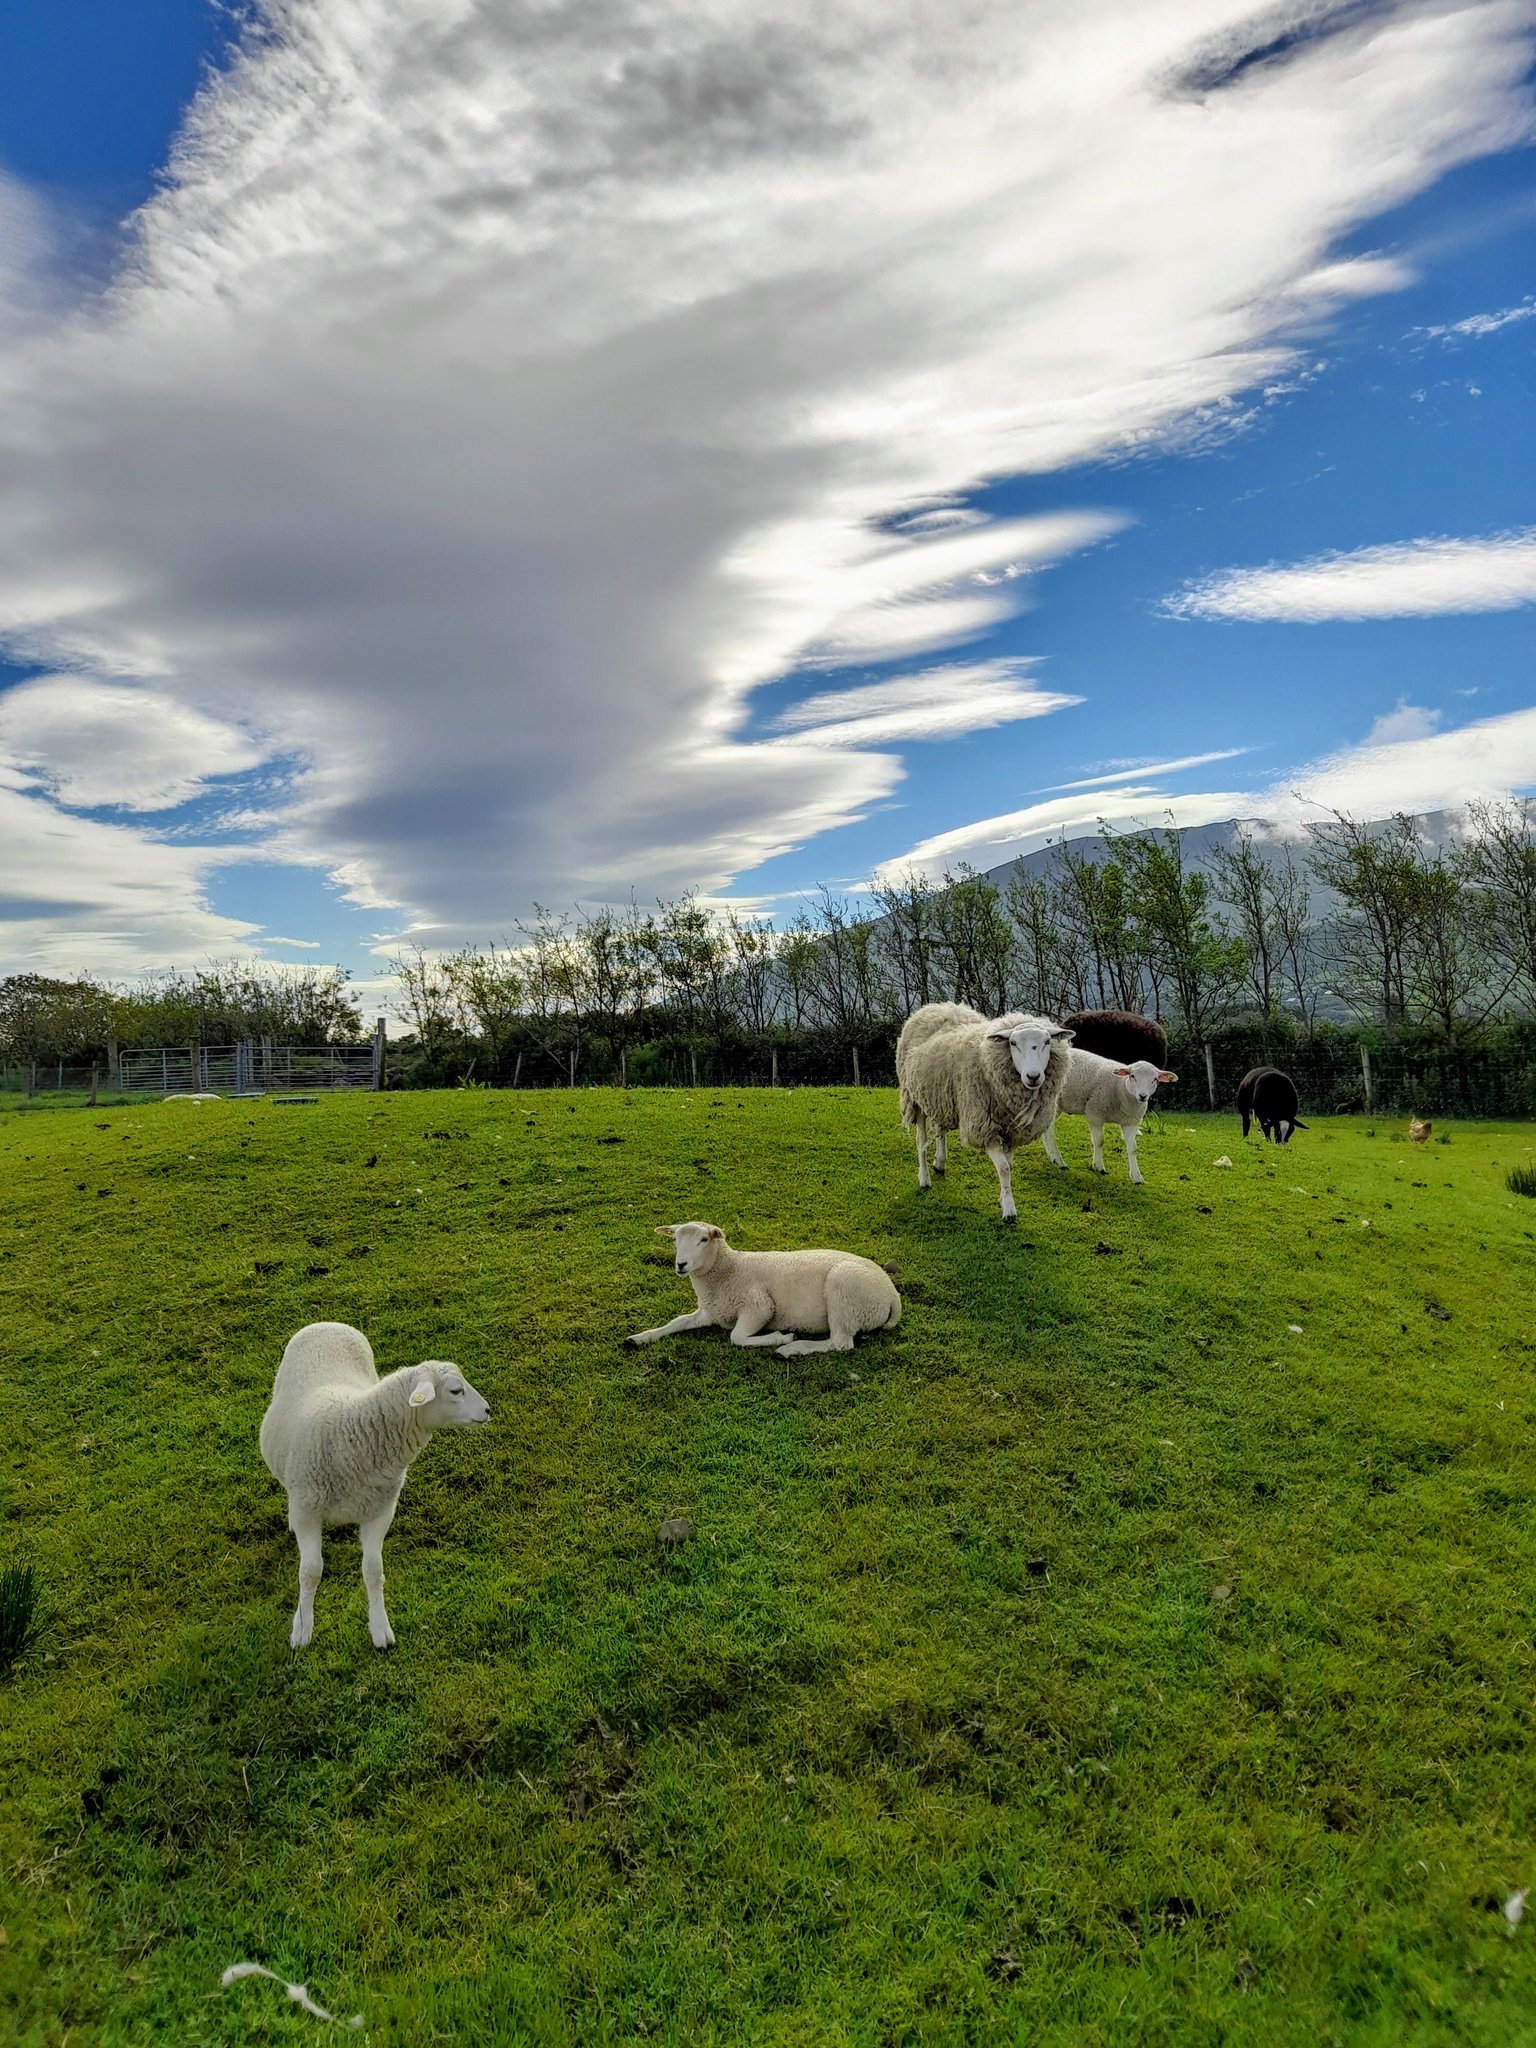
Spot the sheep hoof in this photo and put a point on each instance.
(384, 1640)
(298, 1638)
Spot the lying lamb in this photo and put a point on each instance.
(996, 1082)
(763, 1297)
(341, 1440)
(1102, 1092)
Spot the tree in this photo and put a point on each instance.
(1269, 897)
(1374, 870)
(910, 936)
(1172, 907)
(1499, 862)
(1098, 932)
(1043, 964)
(977, 939)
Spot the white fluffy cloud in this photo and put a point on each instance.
(1404, 764)
(94, 745)
(1416, 579)
(495, 394)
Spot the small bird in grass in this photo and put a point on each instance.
(1418, 1130)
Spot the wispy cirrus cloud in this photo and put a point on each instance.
(1405, 763)
(1416, 579)
(494, 396)
(1477, 325)
(939, 703)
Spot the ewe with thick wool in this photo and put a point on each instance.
(340, 1441)
(762, 1298)
(1104, 1092)
(996, 1081)
(1118, 1035)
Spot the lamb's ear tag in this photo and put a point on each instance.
(423, 1392)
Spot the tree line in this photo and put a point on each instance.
(1362, 922)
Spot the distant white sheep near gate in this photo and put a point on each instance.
(340, 1440)
(1105, 1092)
(762, 1298)
(995, 1081)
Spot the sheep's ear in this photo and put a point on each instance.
(1167, 1077)
(1003, 1031)
(1125, 1071)
(666, 1230)
(714, 1231)
(1063, 1031)
(425, 1390)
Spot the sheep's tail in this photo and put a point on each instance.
(895, 1315)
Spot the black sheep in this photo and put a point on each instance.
(1118, 1035)
(1270, 1097)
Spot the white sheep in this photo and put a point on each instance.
(763, 1297)
(340, 1440)
(1106, 1092)
(996, 1081)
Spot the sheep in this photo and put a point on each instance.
(1269, 1096)
(763, 1297)
(1118, 1035)
(340, 1440)
(997, 1083)
(1104, 1093)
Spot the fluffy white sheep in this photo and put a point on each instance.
(996, 1081)
(1105, 1092)
(763, 1297)
(340, 1440)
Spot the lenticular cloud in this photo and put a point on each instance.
(1417, 579)
(496, 395)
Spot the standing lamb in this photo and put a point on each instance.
(1118, 1035)
(1270, 1097)
(763, 1297)
(1103, 1092)
(996, 1082)
(340, 1440)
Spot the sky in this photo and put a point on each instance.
(463, 454)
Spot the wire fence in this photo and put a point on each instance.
(251, 1067)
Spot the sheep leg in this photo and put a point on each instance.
(697, 1321)
(1128, 1132)
(1002, 1159)
(748, 1327)
(940, 1157)
(921, 1128)
(308, 1536)
(373, 1533)
(1052, 1149)
(1096, 1139)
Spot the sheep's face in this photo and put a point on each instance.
(446, 1397)
(695, 1246)
(1029, 1046)
(1144, 1077)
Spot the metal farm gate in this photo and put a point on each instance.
(254, 1066)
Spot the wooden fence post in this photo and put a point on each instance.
(856, 1066)
(31, 1079)
(1365, 1076)
(92, 1103)
(775, 1081)
(693, 1060)
(517, 1069)
(623, 1068)
(1210, 1073)
(378, 1054)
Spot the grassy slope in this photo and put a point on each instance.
(941, 1730)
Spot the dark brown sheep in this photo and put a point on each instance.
(1269, 1097)
(1118, 1035)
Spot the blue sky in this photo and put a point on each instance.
(457, 488)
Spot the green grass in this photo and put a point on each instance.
(1095, 1659)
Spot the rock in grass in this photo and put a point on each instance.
(674, 1531)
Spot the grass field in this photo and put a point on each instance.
(1095, 1659)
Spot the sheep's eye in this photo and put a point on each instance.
(456, 1392)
